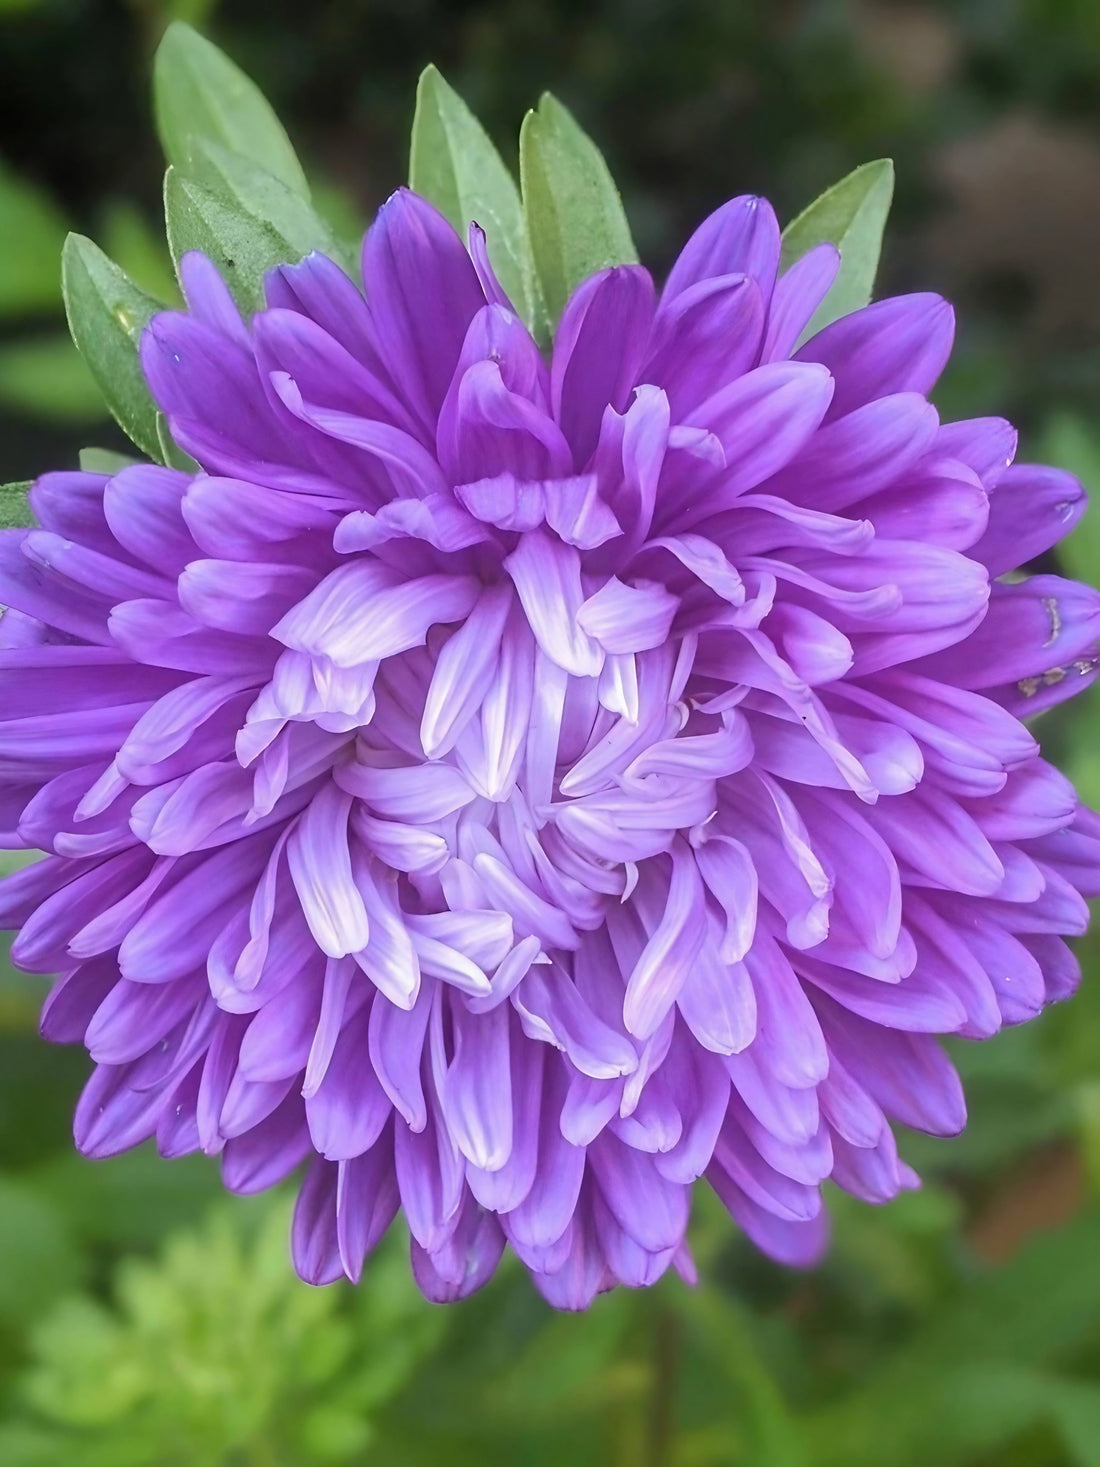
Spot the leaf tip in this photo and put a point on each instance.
(431, 76)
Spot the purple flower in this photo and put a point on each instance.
(520, 790)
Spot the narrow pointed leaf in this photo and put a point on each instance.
(199, 94)
(852, 215)
(170, 451)
(454, 164)
(260, 194)
(575, 217)
(104, 461)
(246, 221)
(107, 314)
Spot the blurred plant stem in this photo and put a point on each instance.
(665, 1364)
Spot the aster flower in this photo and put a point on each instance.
(520, 789)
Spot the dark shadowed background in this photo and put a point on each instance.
(146, 1323)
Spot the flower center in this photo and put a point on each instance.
(490, 777)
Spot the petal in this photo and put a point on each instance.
(798, 293)
(986, 445)
(208, 298)
(547, 575)
(313, 1244)
(1031, 510)
(363, 612)
(599, 348)
(897, 345)
(860, 453)
(320, 865)
(1032, 626)
(142, 505)
(327, 374)
(740, 238)
(628, 618)
(762, 421)
(415, 795)
(366, 1203)
(349, 1109)
(320, 291)
(268, 1152)
(423, 292)
(672, 948)
(465, 1262)
(556, 1013)
(705, 337)
(727, 868)
(651, 1209)
(242, 597)
(477, 1093)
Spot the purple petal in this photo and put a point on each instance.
(1031, 510)
(740, 238)
(599, 348)
(895, 345)
(423, 293)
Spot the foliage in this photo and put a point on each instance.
(453, 162)
(215, 1351)
(852, 215)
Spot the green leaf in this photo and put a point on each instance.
(107, 314)
(170, 451)
(104, 461)
(199, 94)
(454, 164)
(245, 220)
(1075, 1406)
(851, 215)
(974, 1375)
(575, 218)
(133, 243)
(33, 231)
(15, 509)
(45, 378)
(728, 1335)
(262, 196)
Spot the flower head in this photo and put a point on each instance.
(521, 790)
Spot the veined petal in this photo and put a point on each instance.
(625, 617)
(599, 347)
(762, 420)
(742, 237)
(547, 576)
(895, 345)
(423, 293)
(362, 612)
(672, 948)
(320, 865)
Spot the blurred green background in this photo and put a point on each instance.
(145, 1320)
